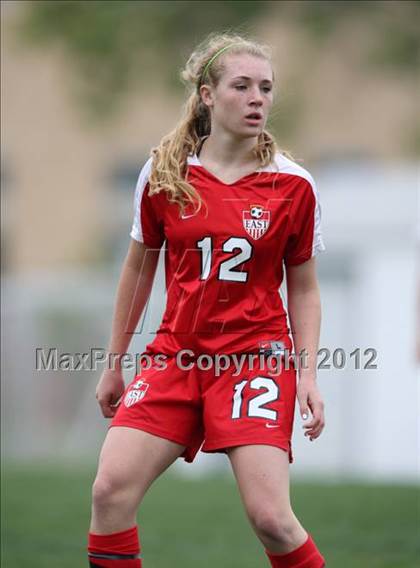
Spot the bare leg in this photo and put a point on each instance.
(262, 474)
(130, 461)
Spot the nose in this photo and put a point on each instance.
(256, 97)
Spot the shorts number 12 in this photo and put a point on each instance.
(256, 404)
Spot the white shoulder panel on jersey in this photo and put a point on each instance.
(192, 160)
(136, 230)
(284, 165)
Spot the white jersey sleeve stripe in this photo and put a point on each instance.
(287, 166)
(318, 242)
(137, 229)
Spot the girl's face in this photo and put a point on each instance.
(242, 100)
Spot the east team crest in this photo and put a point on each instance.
(136, 392)
(256, 221)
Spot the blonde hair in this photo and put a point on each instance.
(169, 164)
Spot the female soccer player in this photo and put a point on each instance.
(234, 213)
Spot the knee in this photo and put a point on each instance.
(274, 527)
(107, 491)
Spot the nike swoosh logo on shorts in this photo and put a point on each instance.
(272, 425)
(186, 216)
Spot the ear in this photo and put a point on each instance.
(207, 95)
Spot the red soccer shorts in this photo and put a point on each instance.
(234, 406)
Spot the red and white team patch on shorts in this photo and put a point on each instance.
(249, 404)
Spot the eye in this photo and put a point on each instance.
(240, 87)
(266, 89)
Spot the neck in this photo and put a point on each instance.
(227, 151)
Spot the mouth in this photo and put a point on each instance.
(253, 117)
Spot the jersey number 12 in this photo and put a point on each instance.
(226, 268)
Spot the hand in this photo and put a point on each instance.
(309, 399)
(109, 391)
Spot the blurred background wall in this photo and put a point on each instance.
(89, 87)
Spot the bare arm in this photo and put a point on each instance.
(133, 291)
(304, 307)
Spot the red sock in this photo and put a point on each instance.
(116, 550)
(306, 556)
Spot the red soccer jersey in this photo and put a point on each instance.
(224, 265)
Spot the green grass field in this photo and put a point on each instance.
(201, 524)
